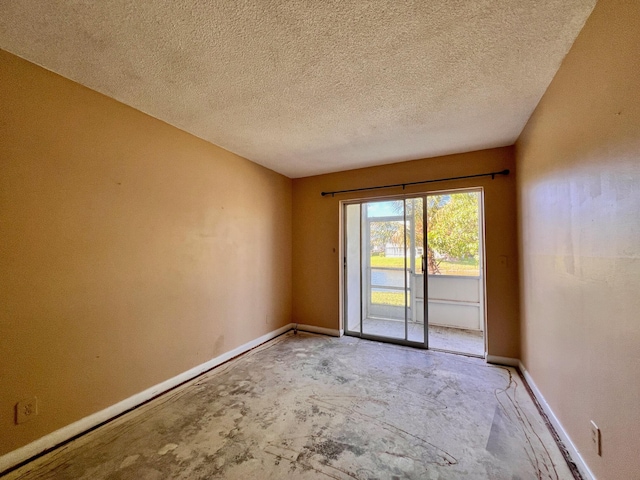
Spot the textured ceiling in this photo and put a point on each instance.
(308, 87)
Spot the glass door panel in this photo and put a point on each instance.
(384, 289)
(455, 278)
(383, 270)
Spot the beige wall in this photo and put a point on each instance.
(130, 251)
(316, 244)
(579, 196)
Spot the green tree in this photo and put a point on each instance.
(383, 233)
(453, 225)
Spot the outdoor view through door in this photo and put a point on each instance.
(388, 248)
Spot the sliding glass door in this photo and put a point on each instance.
(384, 246)
(399, 252)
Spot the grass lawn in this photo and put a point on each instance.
(388, 298)
(461, 267)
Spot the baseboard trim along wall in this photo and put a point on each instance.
(333, 332)
(53, 439)
(508, 361)
(564, 437)
(72, 430)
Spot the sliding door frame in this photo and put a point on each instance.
(344, 324)
(343, 263)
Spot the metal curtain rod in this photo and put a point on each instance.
(403, 185)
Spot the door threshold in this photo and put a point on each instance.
(394, 341)
(408, 343)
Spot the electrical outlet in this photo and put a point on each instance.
(596, 438)
(26, 409)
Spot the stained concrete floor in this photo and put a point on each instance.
(442, 338)
(307, 406)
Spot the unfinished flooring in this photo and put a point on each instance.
(456, 340)
(308, 406)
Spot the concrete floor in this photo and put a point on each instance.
(308, 406)
(456, 340)
(442, 338)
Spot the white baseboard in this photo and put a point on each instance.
(57, 437)
(508, 361)
(571, 448)
(324, 331)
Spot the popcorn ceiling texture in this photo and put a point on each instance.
(306, 87)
